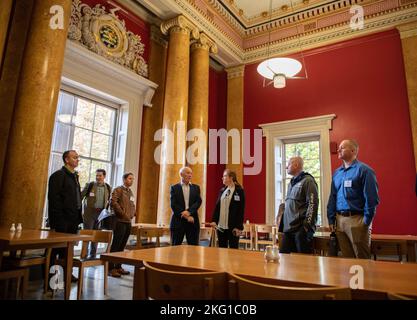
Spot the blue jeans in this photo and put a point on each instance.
(300, 241)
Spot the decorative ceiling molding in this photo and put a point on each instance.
(317, 25)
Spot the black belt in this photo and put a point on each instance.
(349, 213)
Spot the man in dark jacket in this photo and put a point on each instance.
(185, 202)
(64, 199)
(300, 213)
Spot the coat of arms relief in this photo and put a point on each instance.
(105, 34)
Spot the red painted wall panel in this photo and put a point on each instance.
(217, 120)
(362, 81)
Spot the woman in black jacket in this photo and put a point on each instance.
(229, 212)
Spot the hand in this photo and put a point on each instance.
(190, 219)
(236, 232)
(185, 214)
(332, 228)
(213, 224)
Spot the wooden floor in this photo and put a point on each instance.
(119, 288)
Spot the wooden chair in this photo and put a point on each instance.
(21, 276)
(245, 289)
(263, 229)
(247, 236)
(27, 259)
(99, 236)
(389, 248)
(206, 235)
(323, 229)
(162, 282)
(394, 296)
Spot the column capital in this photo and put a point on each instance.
(204, 42)
(180, 24)
(407, 30)
(235, 72)
(158, 37)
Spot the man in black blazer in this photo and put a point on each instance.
(185, 202)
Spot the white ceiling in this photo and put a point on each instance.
(254, 8)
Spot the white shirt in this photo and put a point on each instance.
(186, 192)
(224, 207)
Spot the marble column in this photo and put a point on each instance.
(15, 19)
(6, 7)
(408, 33)
(235, 116)
(152, 121)
(25, 172)
(198, 113)
(174, 124)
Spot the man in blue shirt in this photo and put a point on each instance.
(352, 202)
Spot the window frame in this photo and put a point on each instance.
(97, 101)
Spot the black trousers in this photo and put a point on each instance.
(299, 241)
(121, 234)
(191, 232)
(227, 239)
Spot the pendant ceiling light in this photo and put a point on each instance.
(278, 70)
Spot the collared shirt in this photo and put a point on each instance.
(353, 189)
(224, 207)
(100, 199)
(186, 192)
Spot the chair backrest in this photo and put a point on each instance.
(323, 229)
(206, 233)
(99, 236)
(245, 289)
(263, 229)
(162, 282)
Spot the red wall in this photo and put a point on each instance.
(361, 81)
(217, 120)
(133, 23)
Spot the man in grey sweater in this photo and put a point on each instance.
(301, 206)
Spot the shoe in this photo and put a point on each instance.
(74, 279)
(123, 271)
(114, 273)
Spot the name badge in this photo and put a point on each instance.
(348, 183)
(132, 199)
(237, 198)
(91, 194)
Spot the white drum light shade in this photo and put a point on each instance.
(279, 66)
(279, 81)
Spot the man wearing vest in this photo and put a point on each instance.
(96, 197)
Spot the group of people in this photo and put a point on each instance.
(350, 210)
(69, 206)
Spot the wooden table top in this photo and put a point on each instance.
(30, 236)
(382, 237)
(378, 275)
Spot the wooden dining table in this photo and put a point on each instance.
(41, 239)
(379, 276)
(321, 239)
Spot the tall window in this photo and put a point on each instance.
(89, 128)
(309, 150)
